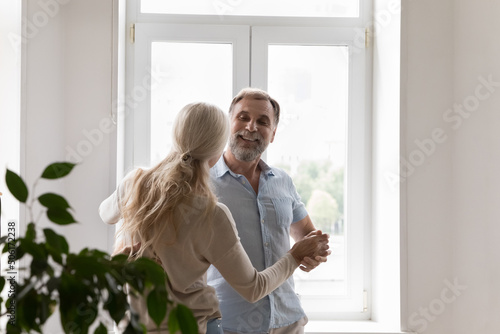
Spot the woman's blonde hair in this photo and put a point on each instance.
(200, 132)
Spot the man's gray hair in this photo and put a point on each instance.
(257, 94)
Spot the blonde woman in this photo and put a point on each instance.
(171, 212)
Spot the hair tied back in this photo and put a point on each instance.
(186, 158)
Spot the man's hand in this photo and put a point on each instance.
(308, 263)
(313, 246)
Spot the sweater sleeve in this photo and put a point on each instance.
(251, 284)
(237, 269)
(109, 210)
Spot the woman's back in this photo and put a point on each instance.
(199, 243)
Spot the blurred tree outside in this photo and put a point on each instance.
(321, 188)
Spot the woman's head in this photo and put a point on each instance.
(200, 131)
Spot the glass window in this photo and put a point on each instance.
(194, 72)
(311, 85)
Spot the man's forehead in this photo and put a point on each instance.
(251, 105)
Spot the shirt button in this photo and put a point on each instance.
(267, 244)
(262, 221)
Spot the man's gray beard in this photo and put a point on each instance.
(245, 154)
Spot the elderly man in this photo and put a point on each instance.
(267, 210)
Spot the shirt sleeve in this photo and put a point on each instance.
(237, 269)
(298, 207)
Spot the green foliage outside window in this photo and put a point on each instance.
(321, 188)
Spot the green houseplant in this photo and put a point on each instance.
(88, 288)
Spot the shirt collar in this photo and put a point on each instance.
(220, 168)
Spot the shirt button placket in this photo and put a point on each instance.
(265, 235)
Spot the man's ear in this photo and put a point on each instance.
(274, 133)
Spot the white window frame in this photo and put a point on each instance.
(343, 31)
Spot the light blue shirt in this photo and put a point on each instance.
(263, 221)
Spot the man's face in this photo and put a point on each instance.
(252, 128)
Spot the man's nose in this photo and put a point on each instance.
(251, 126)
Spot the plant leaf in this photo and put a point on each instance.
(16, 186)
(154, 272)
(46, 307)
(30, 232)
(135, 326)
(34, 249)
(187, 322)
(173, 322)
(60, 216)
(157, 305)
(30, 309)
(70, 295)
(53, 283)
(57, 170)
(86, 265)
(55, 242)
(116, 305)
(101, 329)
(51, 200)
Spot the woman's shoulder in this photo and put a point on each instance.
(222, 210)
(224, 222)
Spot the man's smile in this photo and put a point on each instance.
(249, 139)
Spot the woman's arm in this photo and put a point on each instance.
(252, 285)
(109, 210)
(237, 269)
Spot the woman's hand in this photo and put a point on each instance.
(311, 250)
(308, 263)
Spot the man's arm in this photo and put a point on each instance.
(300, 230)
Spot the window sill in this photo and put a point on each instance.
(351, 327)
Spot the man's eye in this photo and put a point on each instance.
(243, 118)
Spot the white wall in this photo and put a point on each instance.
(452, 212)
(68, 103)
(10, 98)
(67, 110)
(476, 161)
(428, 40)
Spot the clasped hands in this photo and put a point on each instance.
(309, 252)
(312, 250)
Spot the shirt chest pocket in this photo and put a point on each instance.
(283, 211)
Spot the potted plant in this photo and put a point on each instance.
(88, 288)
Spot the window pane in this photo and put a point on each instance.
(291, 8)
(196, 72)
(311, 85)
